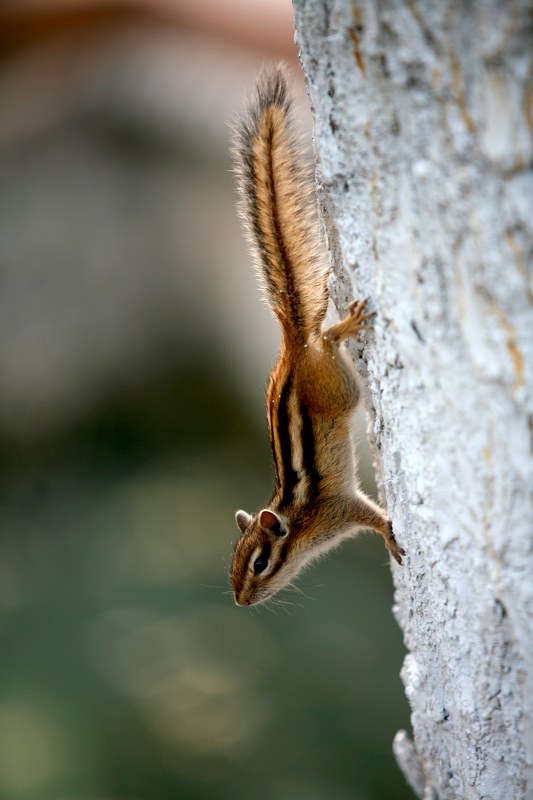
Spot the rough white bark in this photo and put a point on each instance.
(423, 135)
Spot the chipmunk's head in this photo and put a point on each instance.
(261, 559)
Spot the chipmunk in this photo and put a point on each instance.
(313, 390)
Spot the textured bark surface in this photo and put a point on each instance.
(423, 136)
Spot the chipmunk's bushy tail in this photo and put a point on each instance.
(277, 204)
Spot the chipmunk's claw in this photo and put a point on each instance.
(394, 548)
(356, 311)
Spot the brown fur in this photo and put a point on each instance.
(313, 389)
(278, 207)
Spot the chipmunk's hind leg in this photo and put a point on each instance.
(328, 372)
(351, 326)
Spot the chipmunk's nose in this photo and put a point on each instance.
(242, 601)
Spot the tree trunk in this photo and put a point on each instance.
(423, 136)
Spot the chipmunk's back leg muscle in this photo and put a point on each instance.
(331, 377)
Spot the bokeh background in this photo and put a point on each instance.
(134, 351)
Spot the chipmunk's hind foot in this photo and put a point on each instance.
(351, 326)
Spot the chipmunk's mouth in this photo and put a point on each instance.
(256, 599)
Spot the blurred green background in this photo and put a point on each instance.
(134, 350)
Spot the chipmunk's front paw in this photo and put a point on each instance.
(393, 547)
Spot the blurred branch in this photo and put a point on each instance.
(262, 25)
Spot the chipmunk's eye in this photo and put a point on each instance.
(260, 564)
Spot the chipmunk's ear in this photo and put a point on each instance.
(243, 520)
(271, 522)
